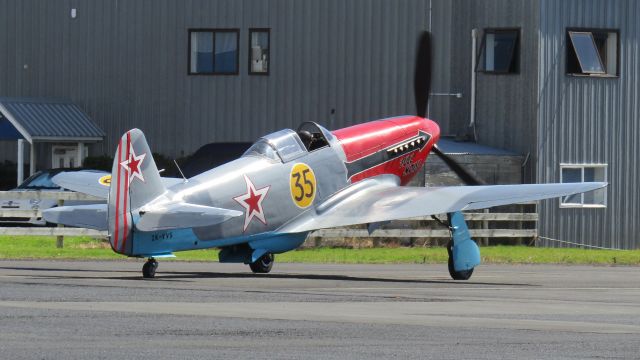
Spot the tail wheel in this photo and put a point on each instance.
(262, 265)
(149, 269)
(456, 275)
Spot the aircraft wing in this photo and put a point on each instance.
(379, 200)
(94, 183)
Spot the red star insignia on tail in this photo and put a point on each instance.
(133, 165)
(252, 203)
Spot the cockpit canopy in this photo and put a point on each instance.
(262, 148)
(314, 136)
(286, 145)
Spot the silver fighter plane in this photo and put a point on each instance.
(286, 185)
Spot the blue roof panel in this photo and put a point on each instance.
(50, 118)
(450, 146)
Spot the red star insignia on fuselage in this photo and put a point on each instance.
(252, 203)
(134, 165)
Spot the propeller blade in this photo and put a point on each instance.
(462, 173)
(422, 74)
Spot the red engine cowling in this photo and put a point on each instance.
(397, 146)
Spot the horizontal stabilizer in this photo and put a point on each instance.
(85, 216)
(182, 215)
(95, 183)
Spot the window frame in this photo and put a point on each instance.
(580, 58)
(582, 167)
(251, 31)
(592, 30)
(213, 31)
(514, 52)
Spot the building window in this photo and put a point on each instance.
(499, 51)
(213, 52)
(592, 52)
(259, 51)
(572, 173)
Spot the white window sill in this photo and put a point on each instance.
(582, 206)
(582, 75)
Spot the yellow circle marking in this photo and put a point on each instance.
(105, 180)
(303, 185)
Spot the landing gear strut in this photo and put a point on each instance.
(149, 268)
(263, 265)
(456, 275)
(464, 253)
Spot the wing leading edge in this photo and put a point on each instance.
(381, 199)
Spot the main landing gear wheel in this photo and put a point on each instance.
(456, 275)
(262, 265)
(149, 269)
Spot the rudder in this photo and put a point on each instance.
(134, 182)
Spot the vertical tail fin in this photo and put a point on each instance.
(134, 182)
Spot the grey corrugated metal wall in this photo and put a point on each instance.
(505, 103)
(591, 120)
(439, 106)
(125, 64)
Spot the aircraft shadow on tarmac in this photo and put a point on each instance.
(189, 275)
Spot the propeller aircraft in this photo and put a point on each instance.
(286, 185)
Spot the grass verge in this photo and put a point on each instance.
(86, 248)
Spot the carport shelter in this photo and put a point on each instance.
(53, 121)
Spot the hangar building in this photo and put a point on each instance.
(557, 81)
(554, 81)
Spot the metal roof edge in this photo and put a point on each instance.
(67, 138)
(452, 147)
(38, 100)
(7, 114)
(54, 114)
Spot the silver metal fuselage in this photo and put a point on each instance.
(219, 187)
(285, 177)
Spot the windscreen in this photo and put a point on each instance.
(39, 181)
(284, 145)
(262, 148)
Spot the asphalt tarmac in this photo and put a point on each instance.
(82, 310)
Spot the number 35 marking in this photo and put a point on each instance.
(303, 185)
